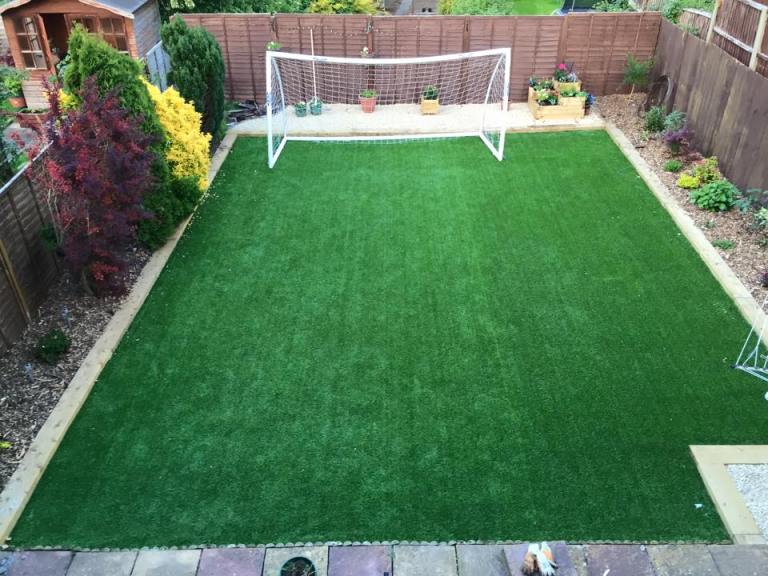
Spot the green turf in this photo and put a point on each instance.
(414, 342)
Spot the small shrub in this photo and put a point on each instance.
(688, 182)
(673, 166)
(11, 80)
(723, 244)
(654, 119)
(716, 196)
(343, 7)
(764, 279)
(761, 218)
(5, 445)
(52, 346)
(752, 199)
(612, 6)
(636, 72)
(677, 140)
(168, 208)
(707, 171)
(675, 120)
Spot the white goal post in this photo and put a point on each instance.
(472, 89)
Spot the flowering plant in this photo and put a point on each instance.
(564, 73)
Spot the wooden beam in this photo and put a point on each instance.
(712, 20)
(758, 38)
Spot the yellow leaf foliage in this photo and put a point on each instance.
(343, 7)
(187, 151)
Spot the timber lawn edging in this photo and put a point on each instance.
(16, 494)
(22, 483)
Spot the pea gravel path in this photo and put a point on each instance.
(752, 482)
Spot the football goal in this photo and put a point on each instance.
(378, 99)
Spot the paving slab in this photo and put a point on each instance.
(481, 560)
(166, 563)
(231, 562)
(360, 561)
(5, 562)
(687, 560)
(276, 557)
(102, 564)
(578, 559)
(741, 560)
(515, 554)
(40, 563)
(620, 559)
(424, 560)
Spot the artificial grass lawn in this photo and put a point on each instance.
(414, 342)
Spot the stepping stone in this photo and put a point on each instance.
(734, 560)
(578, 559)
(166, 563)
(688, 560)
(359, 561)
(40, 563)
(425, 560)
(481, 560)
(102, 563)
(560, 552)
(276, 557)
(620, 559)
(231, 562)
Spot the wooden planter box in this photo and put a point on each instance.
(33, 120)
(573, 101)
(567, 86)
(556, 112)
(430, 106)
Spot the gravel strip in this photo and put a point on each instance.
(748, 257)
(752, 482)
(29, 389)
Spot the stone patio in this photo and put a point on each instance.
(398, 560)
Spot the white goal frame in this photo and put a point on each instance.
(276, 94)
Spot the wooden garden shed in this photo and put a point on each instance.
(38, 31)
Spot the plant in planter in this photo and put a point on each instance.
(565, 78)
(368, 100)
(315, 106)
(33, 118)
(11, 84)
(273, 46)
(570, 97)
(546, 97)
(300, 108)
(430, 102)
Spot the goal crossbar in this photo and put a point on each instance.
(473, 92)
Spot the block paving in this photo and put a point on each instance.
(445, 559)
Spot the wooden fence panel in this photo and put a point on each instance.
(726, 103)
(596, 43)
(27, 269)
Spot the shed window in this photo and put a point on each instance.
(87, 22)
(113, 31)
(29, 43)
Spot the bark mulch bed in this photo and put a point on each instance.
(29, 389)
(749, 256)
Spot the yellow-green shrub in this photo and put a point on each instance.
(343, 7)
(688, 181)
(187, 151)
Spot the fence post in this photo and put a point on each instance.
(758, 38)
(712, 20)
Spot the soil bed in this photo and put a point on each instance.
(747, 257)
(29, 389)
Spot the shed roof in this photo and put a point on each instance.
(125, 8)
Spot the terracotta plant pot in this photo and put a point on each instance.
(17, 101)
(430, 106)
(368, 104)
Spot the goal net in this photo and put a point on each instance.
(753, 358)
(321, 98)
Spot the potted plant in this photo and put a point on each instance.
(11, 80)
(368, 100)
(273, 46)
(566, 79)
(573, 98)
(32, 118)
(300, 108)
(534, 85)
(316, 106)
(430, 101)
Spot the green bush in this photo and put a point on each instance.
(688, 182)
(654, 119)
(613, 6)
(52, 346)
(675, 120)
(636, 72)
(169, 205)
(707, 171)
(486, 7)
(718, 196)
(673, 166)
(723, 244)
(197, 72)
(90, 56)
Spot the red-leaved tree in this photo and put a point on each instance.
(98, 171)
